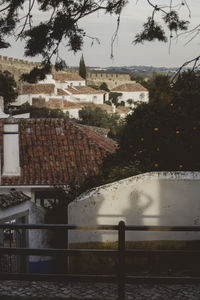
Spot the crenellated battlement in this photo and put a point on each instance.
(10, 61)
(107, 76)
(111, 79)
(17, 67)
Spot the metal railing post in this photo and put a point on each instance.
(121, 266)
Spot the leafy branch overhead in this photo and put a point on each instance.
(60, 23)
(152, 30)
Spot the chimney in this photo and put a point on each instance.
(11, 164)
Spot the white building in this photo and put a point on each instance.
(38, 154)
(131, 93)
(42, 93)
(65, 79)
(150, 199)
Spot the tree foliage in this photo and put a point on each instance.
(82, 68)
(7, 87)
(104, 87)
(61, 24)
(160, 136)
(114, 98)
(100, 118)
(159, 87)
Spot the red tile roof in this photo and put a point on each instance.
(61, 92)
(13, 198)
(129, 87)
(57, 151)
(47, 88)
(65, 76)
(79, 90)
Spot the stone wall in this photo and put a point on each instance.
(111, 79)
(16, 66)
(19, 66)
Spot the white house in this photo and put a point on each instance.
(38, 154)
(42, 93)
(65, 79)
(86, 94)
(131, 92)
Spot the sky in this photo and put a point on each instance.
(125, 52)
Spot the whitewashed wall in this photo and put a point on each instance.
(163, 198)
(136, 96)
(95, 98)
(64, 85)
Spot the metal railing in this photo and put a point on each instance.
(120, 277)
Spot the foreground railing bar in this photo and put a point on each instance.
(162, 279)
(99, 227)
(162, 228)
(58, 277)
(164, 252)
(58, 226)
(55, 251)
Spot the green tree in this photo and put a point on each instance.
(7, 87)
(187, 85)
(100, 118)
(157, 137)
(104, 87)
(159, 88)
(114, 97)
(82, 68)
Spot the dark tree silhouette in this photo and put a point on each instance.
(7, 87)
(61, 23)
(82, 68)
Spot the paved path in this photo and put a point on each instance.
(95, 291)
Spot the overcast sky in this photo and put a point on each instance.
(125, 53)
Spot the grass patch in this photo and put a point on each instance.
(138, 263)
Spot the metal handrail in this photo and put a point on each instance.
(120, 277)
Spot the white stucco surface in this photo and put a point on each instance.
(11, 165)
(135, 96)
(163, 198)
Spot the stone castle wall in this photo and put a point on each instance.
(17, 67)
(111, 79)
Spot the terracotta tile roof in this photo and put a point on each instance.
(65, 76)
(13, 198)
(123, 109)
(98, 130)
(39, 102)
(61, 92)
(84, 90)
(57, 151)
(80, 105)
(129, 87)
(26, 89)
(68, 104)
